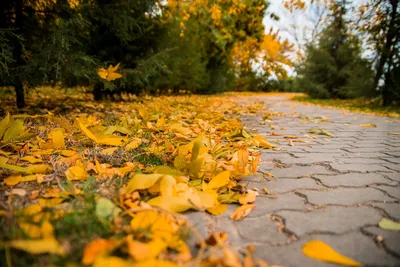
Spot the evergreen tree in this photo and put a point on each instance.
(334, 68)
(46, 41)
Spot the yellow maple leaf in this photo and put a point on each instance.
(109, 74)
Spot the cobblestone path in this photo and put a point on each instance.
(335, 190)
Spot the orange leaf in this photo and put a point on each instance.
(96, 248)
(242, 212)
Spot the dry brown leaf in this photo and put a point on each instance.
(241, 212)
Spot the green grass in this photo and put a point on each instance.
(360, 105)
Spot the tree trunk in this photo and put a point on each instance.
(18, 83)
(391, 33)
(19, 90)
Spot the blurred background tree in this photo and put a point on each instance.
(363, 61)
(199, 46)
(333, 67)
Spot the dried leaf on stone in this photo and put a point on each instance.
(368, 125)
(241, 212)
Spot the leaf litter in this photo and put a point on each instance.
(129, 169)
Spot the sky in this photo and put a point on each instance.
(297, 27)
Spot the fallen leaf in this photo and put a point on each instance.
(219, 180)
(248, 197)
(370, 125)
(156, 263)
(167, 186)
(47, 245)
(39, 168)
(112, 261)
(138, 250)
(262, 142)
(291, 136)
(106, 209)
(57, 137)
(109, 151)
(77, 172)
(218, 210)
(175, 204)
(389, 225)
(142, 181)
(18, 191)
(112, 141)
(241, 212)
(31, 159)
(51, 202)
(96, 249)
(318, 250)
(13, 179)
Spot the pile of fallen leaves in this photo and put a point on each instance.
(104, 184)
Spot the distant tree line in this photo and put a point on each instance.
(200, 46)
(335, 64)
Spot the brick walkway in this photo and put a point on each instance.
(335, 191)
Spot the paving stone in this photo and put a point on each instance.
(346, 196)
(393, 153)
(367, 158)
(352, 179)
(199, 221)
(283, 185)
(366, 155)
(358, 167)
(392, 166)
(393, 191)
(266, 166)
(309, 159)
(258, 178)
(228, 226)
(366, 150)
(393, 209)
(354, 245)
(320, 149)
(300, 171)
(260, 229)
(265, 205)
(390, 238)
(361, 161)
(391, 159)
(336, 220)
(394, 176)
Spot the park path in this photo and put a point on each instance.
(335, 189)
